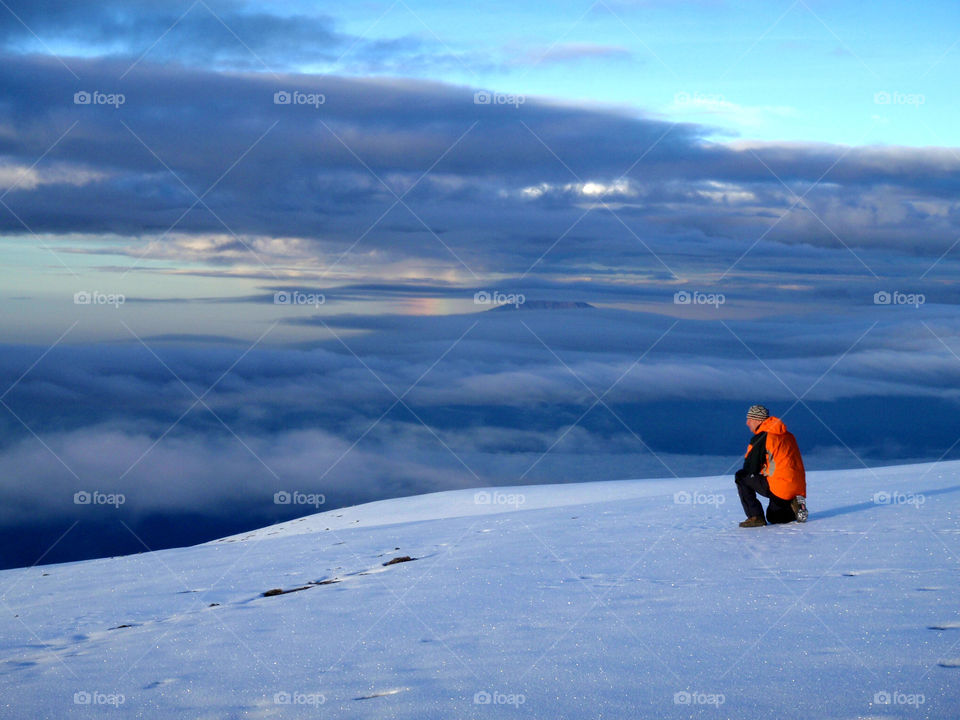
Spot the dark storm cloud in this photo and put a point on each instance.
(304, 171)
(209, 33)
(200, 121)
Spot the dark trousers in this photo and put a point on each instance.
(749, 486)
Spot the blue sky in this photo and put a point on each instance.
(790, 71)
(759, 70)
(758, 201)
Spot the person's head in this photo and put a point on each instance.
(755, 416)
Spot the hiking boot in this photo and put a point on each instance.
(799, 505)
(755, 521)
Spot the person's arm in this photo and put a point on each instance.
(753, 463)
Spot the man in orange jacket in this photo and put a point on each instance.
(773, 468)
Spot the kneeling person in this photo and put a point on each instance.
(773, 468)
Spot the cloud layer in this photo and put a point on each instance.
(417, 173)
(203, 173)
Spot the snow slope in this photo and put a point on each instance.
(628, 599)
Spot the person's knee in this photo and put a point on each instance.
(779, 511)
(741, 477)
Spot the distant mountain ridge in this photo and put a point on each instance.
(545, 305)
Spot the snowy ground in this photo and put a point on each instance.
(632, 599)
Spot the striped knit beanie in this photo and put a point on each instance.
(758, 412)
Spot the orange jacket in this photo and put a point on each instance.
(783, 465)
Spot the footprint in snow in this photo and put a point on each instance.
(952, 625)
(159, 683)
(950, 663)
